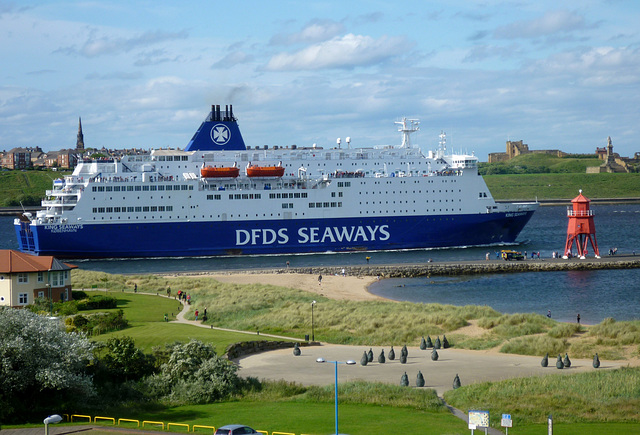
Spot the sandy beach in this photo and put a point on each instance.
(333, 286)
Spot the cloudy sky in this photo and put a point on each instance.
(558, 75)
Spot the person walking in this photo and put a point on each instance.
(549, 314)
(320, 280)
(578, 318)
(196, 315)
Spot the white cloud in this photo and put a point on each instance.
(105, 45)
(233, 59)
(552, 22)
(315, 31)
(348, 51)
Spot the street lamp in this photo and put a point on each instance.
(313, 334)
(55, 418)
(349, 362)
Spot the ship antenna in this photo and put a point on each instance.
(443, 142)
(406, 130)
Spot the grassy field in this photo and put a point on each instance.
(28, 187)
(283, 311)
(145, 313)
(541, 163)
(563, 186)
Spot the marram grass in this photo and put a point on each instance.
(600, 395)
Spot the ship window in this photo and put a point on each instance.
(116, 188)
(190, 187)
(145, 188)
(312, 205)
(326, 204)
(185, 158)
(333, 194)
(108, 189)
(169, 187)
(333, 204)
(95, 209)
(129, 188)
(161, 187)
(161, 158)
(116, 209)
(100, 188)
(94, 188)
(210, 197)
(100, 209)
(318, 204)
(184, 187)
(217, 196)
(109, 209)
(272, 195)
(169, 208)
(154, 208)
(129, 209)
(339, 204)
(245, 196)
(137, 188)
(154, 188)
(138, 209)
(304, 195)
(296, 195)
(169, 158)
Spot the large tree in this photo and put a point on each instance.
(43, 369)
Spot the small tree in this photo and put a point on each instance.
(41, 366)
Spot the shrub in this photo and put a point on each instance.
(98, 302)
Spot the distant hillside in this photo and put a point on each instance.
(563, 186)
(28, 187)
(534, 163)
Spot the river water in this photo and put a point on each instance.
(594, 294)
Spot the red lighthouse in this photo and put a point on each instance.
(581, 228)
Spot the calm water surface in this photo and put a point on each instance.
(594, 294)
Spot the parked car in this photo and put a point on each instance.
(235, 429)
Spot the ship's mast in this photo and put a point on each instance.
(442, 145)
(407, 126)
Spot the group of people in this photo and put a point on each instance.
(183, 296)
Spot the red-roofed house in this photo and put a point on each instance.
(24, 277)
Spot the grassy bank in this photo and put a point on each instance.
(563, 186)
(285, 311)
(28, 186)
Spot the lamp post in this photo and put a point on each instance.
(313, 334)
(349, 362)
(55, 418)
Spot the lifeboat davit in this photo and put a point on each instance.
(212, 172)
(265, 171)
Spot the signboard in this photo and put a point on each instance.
(506, 420)
(478, 419)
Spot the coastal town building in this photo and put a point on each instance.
(25, 277)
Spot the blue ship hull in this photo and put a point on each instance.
(269, 237)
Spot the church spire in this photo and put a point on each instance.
(80, 140)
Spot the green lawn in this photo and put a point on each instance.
(145, 313)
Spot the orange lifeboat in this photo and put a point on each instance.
(212, 172)
(265, 171)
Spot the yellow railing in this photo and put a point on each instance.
(157, 423)
(96, 418)
(119, 421)
(213, 429)
(129, 420)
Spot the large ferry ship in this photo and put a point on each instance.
(221, 197)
